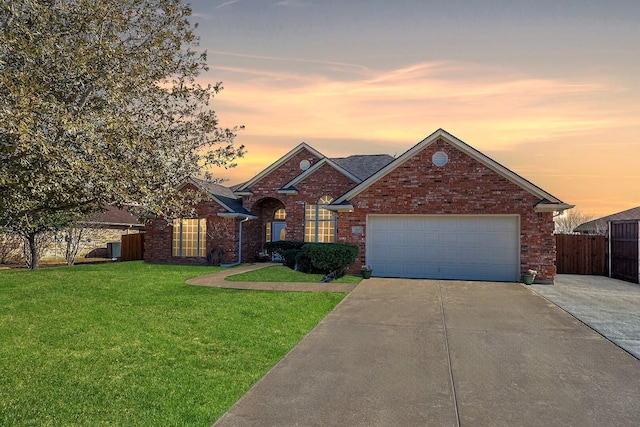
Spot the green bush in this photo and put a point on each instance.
(289, 257)
(331, 257)
(303, 263)
(282, 245)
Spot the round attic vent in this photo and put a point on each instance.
(440, 158)
(304, 165)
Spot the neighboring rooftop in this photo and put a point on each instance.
(599, 226)
(363, 166)
(113, 217)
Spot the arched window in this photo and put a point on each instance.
(320, 223)
(280, 215)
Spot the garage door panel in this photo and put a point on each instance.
(482, 247)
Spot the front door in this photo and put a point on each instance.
(278, 231)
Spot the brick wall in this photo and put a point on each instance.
(462, 186)
(265, 199)
(220, 231)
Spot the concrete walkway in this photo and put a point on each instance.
(610, 306)
(425, 352)
(217, 280)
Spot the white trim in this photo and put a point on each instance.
(318, 165)
(292, 191)
(236, 215)
(345, 207)
(470, 151)
(552, 207)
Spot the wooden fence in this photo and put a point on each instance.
(625, 248)
(132, 247)
(579, 254)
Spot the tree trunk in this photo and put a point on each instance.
(33, 250)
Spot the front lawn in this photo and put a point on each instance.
(131, 344)
(281, 273)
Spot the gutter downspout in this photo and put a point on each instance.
(239, 245)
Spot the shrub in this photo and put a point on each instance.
(331, 257)
(303, 263)
(289, 257)
(282, 245)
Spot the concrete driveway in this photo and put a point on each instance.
(610, 306)
(424, 352)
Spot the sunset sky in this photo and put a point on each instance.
(548, 88)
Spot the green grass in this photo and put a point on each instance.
(281, 273)
(130, 344)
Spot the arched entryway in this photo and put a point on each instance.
(270, 226)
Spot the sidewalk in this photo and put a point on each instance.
(217, 280)
(425, 352)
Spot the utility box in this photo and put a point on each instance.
(114, 250)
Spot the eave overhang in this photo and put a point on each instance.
(290, 191)
(236, 215)
(552, 207)
(342, 207)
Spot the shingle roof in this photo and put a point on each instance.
(363, 166)
(223, 194)
(601, 223)
(111, 216)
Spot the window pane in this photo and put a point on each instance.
(190, 237)
(176, 238)
(280, 214)
(310, 212)
(310, 231)
(324, 214)
(267, 237)
(202, 241)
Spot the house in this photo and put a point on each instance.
(600, 225)
(440, 210)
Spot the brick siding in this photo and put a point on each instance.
(462, 186)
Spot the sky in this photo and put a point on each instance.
(549, 89)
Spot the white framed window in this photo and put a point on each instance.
(189, 237)
(320, 223)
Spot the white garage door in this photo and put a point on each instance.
(466, 247)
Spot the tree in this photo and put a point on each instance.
(9, 246)
(569, 220)
(99, 104)
(38, 230)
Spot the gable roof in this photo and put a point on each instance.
(547, 201)
(222, 195)
(601, 223)
(290, 186)
(277, 164)
(363, 166)
(112, 217)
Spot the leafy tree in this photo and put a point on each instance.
(37, 231)
(99, 104)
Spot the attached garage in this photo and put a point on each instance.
(463, 247)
